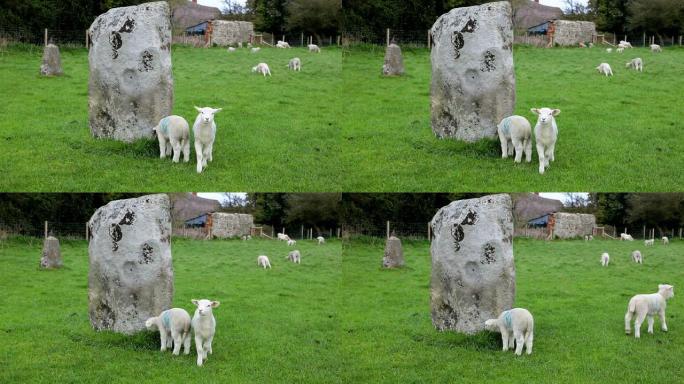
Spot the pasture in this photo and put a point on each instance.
(277, 325)
(578, 308)
(278, 133)
(619, 133)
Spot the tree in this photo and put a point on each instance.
(656, 16)
(660, 210)
(270, 15)
(611, 208)
(313, 16)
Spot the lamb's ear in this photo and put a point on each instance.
(218, 110)
(215, 304)
(194, 301)
(198, 109)
(535, 111)
(555, 112)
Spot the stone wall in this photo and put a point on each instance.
(231, 32)
(571, 225)
(573, 32)
(227, 225)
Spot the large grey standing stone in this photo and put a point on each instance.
(52, 255)
(131, 271)
(52, 62)
(473, 82)
(473, 273)
(394, 61)
(394, 254)
(131, 84)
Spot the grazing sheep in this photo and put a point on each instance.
(516, 325)
(588, 237)
(609, 50)
(637, 258)
(295, 64)
(656, 48)
(291, 242)
(648, 305)
(283, 237)
(546, 134)
(262, 261)
(604, 68)
(605, 259)
(174, 326)
(321, 240)
(240, 44)
(231, 49)
(282, 44)
(314, 48)
(625, 44)
(637, 64)
(173, 133)
(582, 45)
(255, 49)
(620, 50)
(262, 68)
(204, 325)
(627, 237)
(591, 237)
(294, 257)
(515, 132)
(665, 240)
(649, 243)
(204, 130)
(591, 45)
(249, 45)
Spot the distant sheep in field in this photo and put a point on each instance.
(665, 240)
(262, 261)
(231, 49)
(637, 64)
(173, 134)
(648, 305)
(637, 258)
(204, 325)
(649, 243)
(515, 132)
(546, 135)
(292, 242)
(295, 257)
(321, 240)
(204, 130)
(240, 44)
(620, 50)
(255, 49)
(591, 45)
(582, 45)
(174, 326)
(627, 237)
(604, 69)
(625, 44)
(588, 237)
(605, 259)
(516, 326)
(295, 64)
(282, 44)
(249, 45)
(262, 68)
(283, 237)
(314, 48)
(655, 48)
(609, 50)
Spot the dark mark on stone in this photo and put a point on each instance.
(128, 26)
(470, 26)
(147, 251)
(146, 62)
(488, 256)
(115, 41)
(470, 218)
(488, 62)
(128, 218)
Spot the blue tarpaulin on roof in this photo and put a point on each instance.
(199, 221)
(539, 221)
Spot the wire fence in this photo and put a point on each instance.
(61, 230)
(61, 37)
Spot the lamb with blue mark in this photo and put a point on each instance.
(515, 132)
(173, 133)
(517, 329)
(174, 328)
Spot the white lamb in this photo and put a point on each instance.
(295, 257)
(648, 305)
(240, 44)
(605, 259)
(665, 240)
(625, 44)
(637, 258)
(604, 69)
(609, 50)
(649, 243)
(231, 49)
(295, 64)
(546, 134)
(292, 242)
(620, 50)
(637, 64)
(255, 49)
(588, 237)
(174, 326)
(516, 325)
(262, 68)
(515, 132)
(204, 325)
(282, 44)
(283, 237)
(173, 133)
(627, 237)
(314, 48)
(263, 261)
(321, 240)
(656, 48)
(204, 130)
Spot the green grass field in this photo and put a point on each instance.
(277, 325)
(578, 307)
(620, 133)
(274, 134)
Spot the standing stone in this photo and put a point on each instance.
(52, 62)
(394, 255)
(473, 274)
(473, 82)
(131, 272)
(52, 256)
(131, 85)
(394, 61)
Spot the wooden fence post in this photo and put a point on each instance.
(46, 223)
(86, 231)
(302, 236)
(302, 39)
(388, 229)
(644, 44)
(429, 39)
(87, 42)
(46, 36)
(429, 232)
(388, 36)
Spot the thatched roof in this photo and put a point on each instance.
(187, 206)
(533, 13)
(191, 14)
(529, 206)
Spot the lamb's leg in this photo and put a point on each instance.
(504, 146)
(200, 353)
(542, 161)
(211, 152)
(552, 151)
(518, 144)
(162, 147)
(528, 342)
(637, 323)
(186, 150)
(528, 149)
(511, 341)
(177, 341)
(547, 156)
(504, 339)
(650, 323)
(162, 336)
(209, 341)
(519, 342)
(205, 155)
(205, 349)
(175, 144)
(628, 320)
(198, 152)
(186, 343)
(663, 324)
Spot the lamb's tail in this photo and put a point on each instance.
(631, 308)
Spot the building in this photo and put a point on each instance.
(565, 32)
(532, 13)
(191, 14)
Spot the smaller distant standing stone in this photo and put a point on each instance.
(52, 256)
(394, 255)
(52, 63)
(394, 62)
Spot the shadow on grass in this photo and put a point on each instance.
(482, 149)
(147, 340)
(483, 341)
(138, 149)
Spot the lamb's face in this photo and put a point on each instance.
(666, 290)
(490, 325)
(151, 324)
(207, 114)
(545, 114)
(205, 306)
